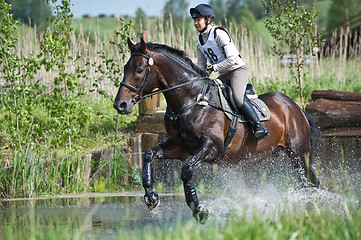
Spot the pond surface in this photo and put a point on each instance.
(100, 216)
(103, 215)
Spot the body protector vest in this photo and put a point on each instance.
(210, 49)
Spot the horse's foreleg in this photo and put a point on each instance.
(150, 197)
(166, 150)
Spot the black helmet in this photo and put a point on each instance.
(202, 10)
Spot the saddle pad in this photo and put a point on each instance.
(259, 106)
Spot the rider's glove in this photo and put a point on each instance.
(209, 69)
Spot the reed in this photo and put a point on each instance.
(29, 174)
(90, 37)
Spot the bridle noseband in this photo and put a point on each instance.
(145, 78)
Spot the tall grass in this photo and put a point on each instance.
(29, 174)
(91, 36)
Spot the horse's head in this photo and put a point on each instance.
(140, 78)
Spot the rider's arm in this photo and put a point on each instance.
(229, 49)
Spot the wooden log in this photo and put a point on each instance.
(336, 95)
(149, 106)
(331, 113)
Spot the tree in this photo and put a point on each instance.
(255, 7)
(240, 15)
(220, 10)
(34, 12)
(294, 27)
(141, 17)
(243, 16)
(342, 10)
(177, 9)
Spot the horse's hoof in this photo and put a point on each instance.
(151, 200)
(202, 215)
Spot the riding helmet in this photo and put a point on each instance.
(202, 10)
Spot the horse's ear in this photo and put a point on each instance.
(130, 44)
(143, 46)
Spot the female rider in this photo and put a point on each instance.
(216, 46)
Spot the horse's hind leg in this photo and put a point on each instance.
(304, 163)
(206, 153)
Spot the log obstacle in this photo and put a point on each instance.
(338, 116)
(336, 113)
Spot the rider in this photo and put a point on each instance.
(215, 45)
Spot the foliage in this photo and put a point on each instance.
(141, 17)
(65, 111)
(220, 11)
(255, 7)
(293, 26)
(340, 11)
(244, 17)
(18, 71)
(175, 12)
(110, 67)
(33, 113)
(34, 12)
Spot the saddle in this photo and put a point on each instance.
(228, 103)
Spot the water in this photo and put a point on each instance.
(226, 193)
(103, 216)
(100, 216)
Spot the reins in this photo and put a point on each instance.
(201, 100)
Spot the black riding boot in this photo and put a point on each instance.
(249, 113)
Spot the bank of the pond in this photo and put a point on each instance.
(87, 195)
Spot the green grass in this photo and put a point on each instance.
(98, 133)
(104, 28)
(31, 173)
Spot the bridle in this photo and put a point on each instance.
(150, 63)
(201, 99)
(145, 78)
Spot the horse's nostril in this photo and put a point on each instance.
(122, 106)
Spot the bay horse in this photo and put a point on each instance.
(196, 133)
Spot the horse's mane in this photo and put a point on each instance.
(181, 55)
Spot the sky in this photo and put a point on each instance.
(122, 7)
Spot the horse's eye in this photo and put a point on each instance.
(139, 70)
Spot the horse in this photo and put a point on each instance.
(196, 132)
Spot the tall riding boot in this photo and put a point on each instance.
(249, 113)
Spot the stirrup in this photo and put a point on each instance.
(260, 132)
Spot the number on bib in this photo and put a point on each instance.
(211, 56)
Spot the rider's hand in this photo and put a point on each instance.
(209, 69)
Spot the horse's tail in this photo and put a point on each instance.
(314, 137)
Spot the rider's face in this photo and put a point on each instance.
(199, 23)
